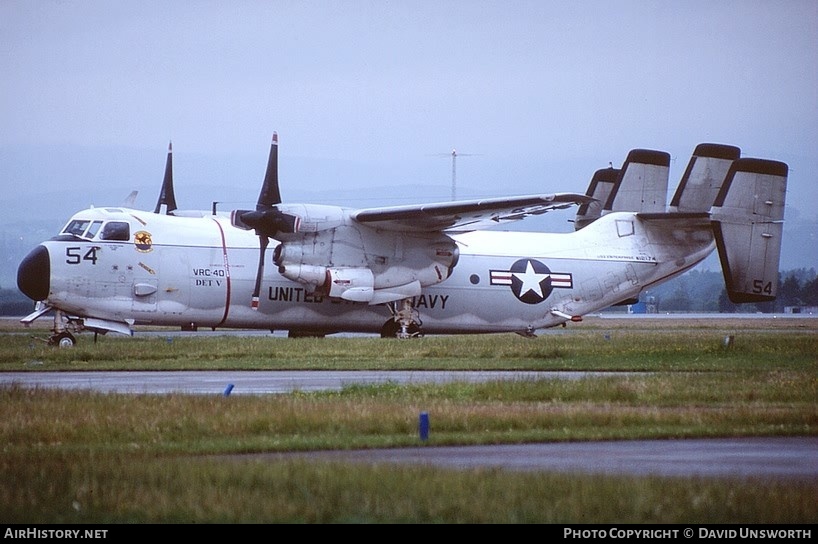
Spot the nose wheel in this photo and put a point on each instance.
(63, 339)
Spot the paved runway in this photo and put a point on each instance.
(773, 457)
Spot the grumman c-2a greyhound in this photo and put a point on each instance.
(405, 271)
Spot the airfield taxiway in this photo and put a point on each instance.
(260, 382)
(763, 457)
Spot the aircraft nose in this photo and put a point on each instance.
(34, 274)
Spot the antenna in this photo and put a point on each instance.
(454, 154)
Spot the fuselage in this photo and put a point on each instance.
(138, 268)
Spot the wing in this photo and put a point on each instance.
(465, 215)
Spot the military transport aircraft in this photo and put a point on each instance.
(405, 271)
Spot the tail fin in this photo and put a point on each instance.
(642, 183)
(703, 178)
(747, 217)
(602, 184)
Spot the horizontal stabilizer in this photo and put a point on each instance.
(747, 223)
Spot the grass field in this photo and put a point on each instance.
(75, 457)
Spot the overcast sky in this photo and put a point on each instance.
(522, 82)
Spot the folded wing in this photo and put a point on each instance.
(465, 215)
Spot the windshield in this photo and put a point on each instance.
(82, 228)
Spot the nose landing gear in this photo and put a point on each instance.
(60, 336)
(63, 339)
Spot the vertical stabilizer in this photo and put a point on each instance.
(703, 178)
(601, 187)
(747, 216)
(642, 183)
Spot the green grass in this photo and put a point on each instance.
(581, 348)
(141, 489)
(80, 457)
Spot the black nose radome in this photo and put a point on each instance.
(34, 274)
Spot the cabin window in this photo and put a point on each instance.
(116, 230)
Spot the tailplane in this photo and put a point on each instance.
(741, 198)
(747, 217)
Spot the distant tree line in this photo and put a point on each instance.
(704, 291)
(696, 291)
(13, 302)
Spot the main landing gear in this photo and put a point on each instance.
(405, 321)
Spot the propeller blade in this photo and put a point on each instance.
(267, 220)
(166, 195)
(270, 195)
(263, 241)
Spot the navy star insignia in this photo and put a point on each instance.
(530, 280)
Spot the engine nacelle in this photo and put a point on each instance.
(354, 284)
(359, 264)
(311, 275)
(333, 282)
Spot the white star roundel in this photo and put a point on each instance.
(530, 280)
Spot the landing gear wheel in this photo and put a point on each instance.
(64, 340)
(390, 329)
(404, 323)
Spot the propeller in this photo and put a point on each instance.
(166, 195)
(267, 220)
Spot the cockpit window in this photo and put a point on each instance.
(83, 228)
(94, 228)
(76, 227)
(116, 230)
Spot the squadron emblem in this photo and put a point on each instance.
(142, 241)
(530, 280)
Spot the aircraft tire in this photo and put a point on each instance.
(390, 329)
(63, 340)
